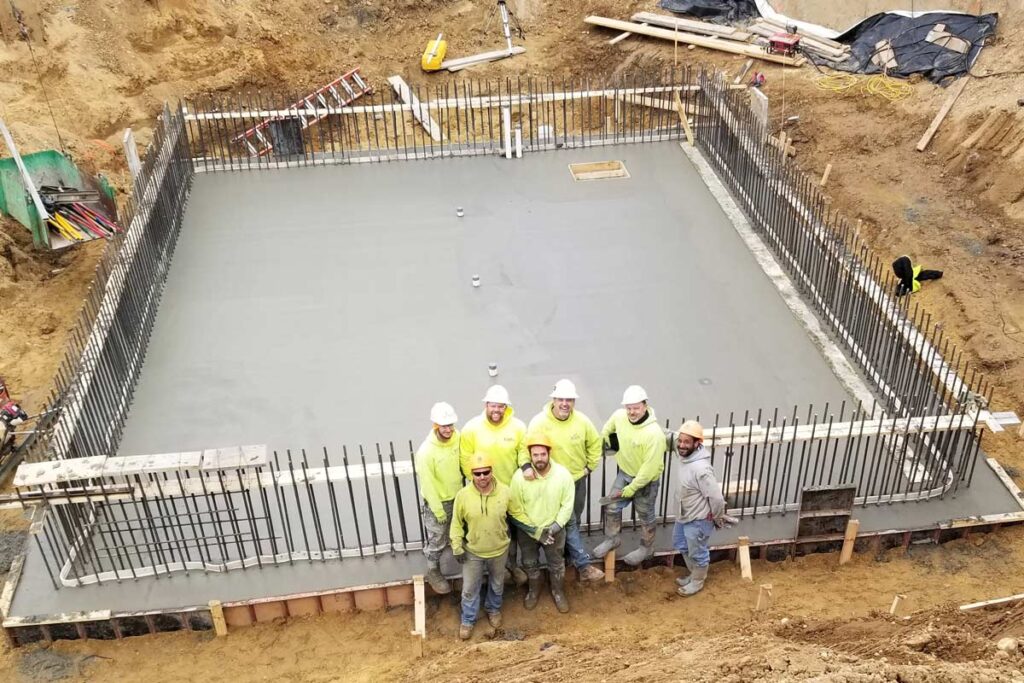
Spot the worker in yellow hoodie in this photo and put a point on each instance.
(578, 448)
(440, 478)
(500, 436)
(541, 507)
(480, 541)
(640, 442)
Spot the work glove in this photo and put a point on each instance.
(441, 516)
(628, 491)
(547, 537)
(460, 557)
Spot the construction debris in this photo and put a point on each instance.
(482, 58)
(954, 93)
(694, 39)
(419, 110)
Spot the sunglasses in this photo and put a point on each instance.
(485, 473)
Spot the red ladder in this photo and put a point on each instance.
(314, 107)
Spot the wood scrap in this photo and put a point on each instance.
(693, 39)
(896, 602)
(775, 142)
(461, 63)
(682, 118)
(825, 175)
(954, 93)
(702, 27)
(849, 540)
(943, 38)
(764, 597)
(973, 138)
(419, 111)
(743, 71)
(743, 555)
(622, 36)
(884, 57)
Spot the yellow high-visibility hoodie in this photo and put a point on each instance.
(478, 521)
(576, 443)
(437, 466)
(504, 442)
(540, 501)
(641, 448)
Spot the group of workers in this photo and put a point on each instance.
(526, 490)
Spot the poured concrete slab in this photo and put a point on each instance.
(327, 306)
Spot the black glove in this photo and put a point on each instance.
(460, 557)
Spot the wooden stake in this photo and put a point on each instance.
(849, 539)
(743, 71)
(220, 626)
(682, 117)
(896, 602)
(419, 631)
(764, 597)
(743, 553)
(824, 176)
(609, 567)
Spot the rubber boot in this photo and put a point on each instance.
(558, 590)
(683, 580)
(700, 574)
(533, 593)
(437, 582)
(646, 549)
(612, 529)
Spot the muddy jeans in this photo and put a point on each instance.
(554, 554)
(578, 555)
(692, 538)
(437, 538)
(472, 579)
(645, 500)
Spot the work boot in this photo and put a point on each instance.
(684, 580)
(697, 578)
(533, 593)
(590, 573)
(558, 590)
(465, 631)
(494, 618)
(437, 582)
(507, 577)
(646, 549)
(519, 576)
(612, 529)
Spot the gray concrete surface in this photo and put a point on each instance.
(329, 306)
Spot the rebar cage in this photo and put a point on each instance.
(102, 517)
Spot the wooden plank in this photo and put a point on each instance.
(337, 602)
(849, 539)
(239, 615)
(692, 39)
(825, 175)
(609, 567)
(991, 603)
(622, 36)
(220, 626)
(743, 71)
(896, 602)
(714, 30)
(269, 611)
(764, 597)
(993, 116)
(400, 595)
(682, 118)
(461, 63)
(370, 599)
(303, 607)
(420, 112)
(743, 553)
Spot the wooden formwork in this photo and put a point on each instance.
(105, 625)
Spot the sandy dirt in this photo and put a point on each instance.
(109, 64)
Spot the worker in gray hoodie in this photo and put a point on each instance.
(701, 506)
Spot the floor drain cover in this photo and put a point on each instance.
(598, 170)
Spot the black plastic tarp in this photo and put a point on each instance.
(718, 11)
(913, 53)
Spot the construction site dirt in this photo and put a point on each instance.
(109, 65)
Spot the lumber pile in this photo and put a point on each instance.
(701, 27)
(714, 43)
(821, 47)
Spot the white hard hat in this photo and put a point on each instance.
(443, 414)
(633, 394)
(497, 394)
(564, 388)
